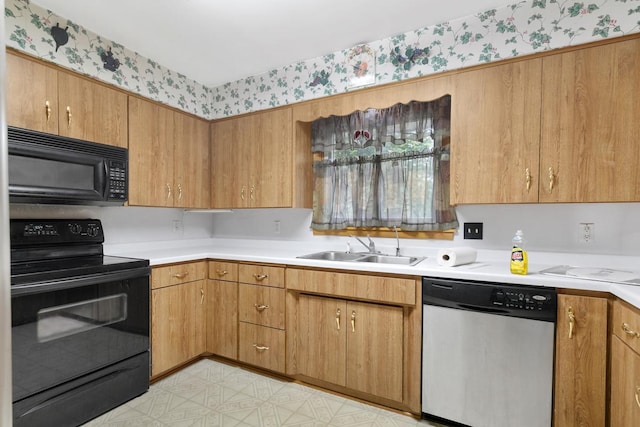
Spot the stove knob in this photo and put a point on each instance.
(75, 228)
(92, 230)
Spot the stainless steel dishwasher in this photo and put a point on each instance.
(487, 353)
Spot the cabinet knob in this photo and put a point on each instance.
(201, 296)
(242, 192)
(68, 117)
(181, 275)
(353, 321)
(168, 191)
(638, 395)
(527, 178)
(179, 191)
(222, 273)
(47, 109)
(627, 330)
(260, 307)
(261, 347)
(260, 277)
(338, 312)
(572, 319)
(552, 179)
(251, 192)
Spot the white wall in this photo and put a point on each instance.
(547, 227)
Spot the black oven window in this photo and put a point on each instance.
(70, 319)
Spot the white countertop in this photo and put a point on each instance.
(491, 265)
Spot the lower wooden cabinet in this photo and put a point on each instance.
(352, 344)
(177, 325)
(580, 390)
(357, 334)
(261, 346)
(222, 318)
(625, 366)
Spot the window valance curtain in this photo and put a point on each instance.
(383, 168)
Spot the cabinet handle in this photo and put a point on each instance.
(527, 177)
(47, 109)
(242, 190)
(222, 272)
(572, 320)
(179, 191)
(260, 277)
(181, 275)
(251, 191)
(353, 321)
(68, 117)
(638, 395)
(260, 307)
(338, 313)
(627, 330)
(261, 347)
(552, 179)
(168, 191)
(201, 296)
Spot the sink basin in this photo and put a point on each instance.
(390, 259)
(333, 256)
(363, 257)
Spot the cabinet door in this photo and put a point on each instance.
(191, 162)
(495, 133)
(269, 156)
(91, 111)
(150, 154)
(222, 318)
(228, 182)
(32, 95)
(177, 323)
(375, 349)
(581, 358)
(321, 338)
(590, 127)
(625, 385)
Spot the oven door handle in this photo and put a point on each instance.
(76, 282)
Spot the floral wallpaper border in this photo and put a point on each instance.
(522, 28)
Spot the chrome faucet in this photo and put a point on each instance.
(371, 246)
(397, 241)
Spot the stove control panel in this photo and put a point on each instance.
(55, 231)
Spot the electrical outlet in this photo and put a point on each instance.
(586, 231)
(276, 226)
(176, 225)
(473, 230)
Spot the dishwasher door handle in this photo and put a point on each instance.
(482, 309)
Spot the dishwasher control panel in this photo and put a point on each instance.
(534, 302)
(521, 299)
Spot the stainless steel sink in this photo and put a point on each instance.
(334, 256)
(363, 257)
(391, 259)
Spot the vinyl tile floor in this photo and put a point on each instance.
(210, 393)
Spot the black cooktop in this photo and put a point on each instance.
(54, 249)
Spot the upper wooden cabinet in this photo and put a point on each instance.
(559, 128)
(168, 157)
(42, 98)
(253, 161)
(495, 133)
(590, 126)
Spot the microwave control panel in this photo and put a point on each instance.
(117, 180)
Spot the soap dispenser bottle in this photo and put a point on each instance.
(519, 261)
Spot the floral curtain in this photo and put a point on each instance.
(383, 168)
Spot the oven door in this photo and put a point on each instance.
(68, 328)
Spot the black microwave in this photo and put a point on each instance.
(45, 168)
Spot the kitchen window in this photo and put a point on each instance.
(382, 168)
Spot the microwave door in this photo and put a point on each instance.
(44, 175)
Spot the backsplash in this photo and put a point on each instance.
(521, 28)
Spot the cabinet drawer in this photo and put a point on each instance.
(177, 273)
(222, 270)
(261, 275)
(261, 305)
(626, 324)
(261, 346)
(393, 290)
